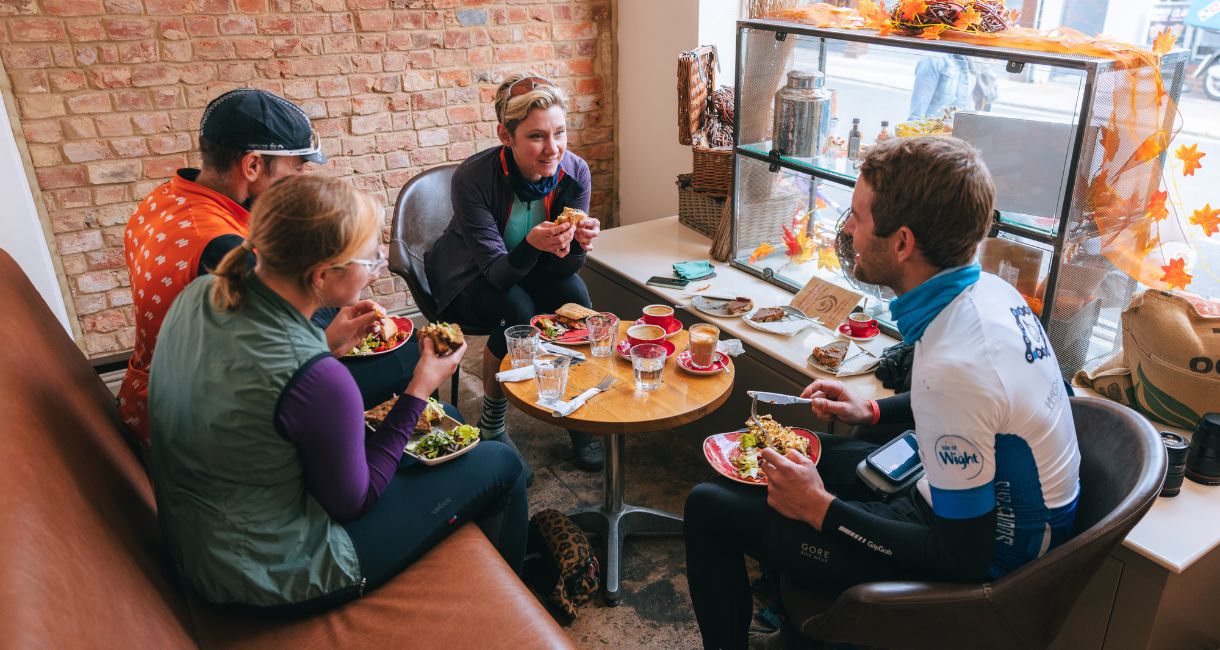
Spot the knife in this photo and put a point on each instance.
(777, 398)
(555, 349)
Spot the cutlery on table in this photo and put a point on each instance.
(580, 399)
(771, 398)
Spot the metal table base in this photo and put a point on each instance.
(615, 520)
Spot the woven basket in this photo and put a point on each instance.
(712, 170)
(696, 79)
(763, 221)
(696, 210)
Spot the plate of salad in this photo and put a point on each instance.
(446, 440)
(390, 334)
(735, 454)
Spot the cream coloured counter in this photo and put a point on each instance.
(1156, 591)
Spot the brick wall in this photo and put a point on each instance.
(109, 94)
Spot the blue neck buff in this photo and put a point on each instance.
(915, 309)
(525, 190)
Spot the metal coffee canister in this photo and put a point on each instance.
(802, 111)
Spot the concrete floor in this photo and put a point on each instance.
(661, 468)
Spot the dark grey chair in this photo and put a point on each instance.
(1121, 471)
(421, 213)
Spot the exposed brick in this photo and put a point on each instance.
(78, 242)
(138, 52)
(86, 151)
(334, 87)
(169, 143)
(119, 297)
(238, 25)
(38, 106)
(133, 147)
(124, 29)
(36, 30)
(363, 124)
(108, 194)
(45, 155)
(113, 125)
(109, 258)
(163, 167)
(26, 57)
(511, 54)
(107, 321)
(433, 137)
(113, 172)
(43, 131)
(90, 303)
(86, 29)
(73, 7)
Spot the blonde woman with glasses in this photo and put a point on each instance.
(503, 260)
(270, 491)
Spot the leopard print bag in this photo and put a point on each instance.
(573, 575)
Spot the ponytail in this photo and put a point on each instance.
(229, 289)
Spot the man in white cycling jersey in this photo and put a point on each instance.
(992, 422)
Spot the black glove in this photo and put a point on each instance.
(894, 371)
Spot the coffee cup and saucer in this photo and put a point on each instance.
(701, 356)
(860, 327)
(661, 316)
(641, 334)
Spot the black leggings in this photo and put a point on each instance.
(725, 521)
(484, 306)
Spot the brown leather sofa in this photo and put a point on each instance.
(81, 558)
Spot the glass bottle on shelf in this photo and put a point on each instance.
(853, 140)
(885, 131)
(833, 147)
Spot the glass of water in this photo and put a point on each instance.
(647, 360)
(522, 340)
(551, 373)
(603, 334)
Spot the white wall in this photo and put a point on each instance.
(651, 35)
(21, 232)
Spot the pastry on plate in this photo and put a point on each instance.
(831, 355)
(767, 315)
(738, 305)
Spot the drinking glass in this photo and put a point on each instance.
(647, 361)
(703, 338)
(522, 341)
(603, 334)
(551, 373)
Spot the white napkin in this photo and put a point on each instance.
(556, 349)
(731, 347)
(564, 409)
(516, 374)
(785, 327)
(862, 362)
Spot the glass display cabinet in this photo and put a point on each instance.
(1038, 135)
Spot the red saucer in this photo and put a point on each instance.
(872, 333)
(675, 326)
(624, 349)
(683, 361)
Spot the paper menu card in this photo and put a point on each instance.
(826, 301)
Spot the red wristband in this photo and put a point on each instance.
(876, 412)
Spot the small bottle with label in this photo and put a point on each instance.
(853, 140)
(885, 131)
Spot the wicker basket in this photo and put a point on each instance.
(712, 170)
(764, 220)
(696, 210)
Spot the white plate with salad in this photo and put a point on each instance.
(446, 440)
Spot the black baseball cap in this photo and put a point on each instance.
(261, 122)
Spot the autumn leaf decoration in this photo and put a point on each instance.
(764, 249)
(1175, 273)
(1156, 209)
(909, 10)
(1189, 155)
(1163, 43)
(1207, 218)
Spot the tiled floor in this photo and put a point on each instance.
(661, 468)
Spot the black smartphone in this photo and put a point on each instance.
(668, 283)
(897, 459)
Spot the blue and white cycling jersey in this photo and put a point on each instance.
(993, 422)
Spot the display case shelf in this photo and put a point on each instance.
(1038, 137)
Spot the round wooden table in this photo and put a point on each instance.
(682, 398)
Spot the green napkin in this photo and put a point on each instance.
(693, 270)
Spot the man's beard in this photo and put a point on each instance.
(877, 270)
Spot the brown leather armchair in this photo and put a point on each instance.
(1121, 471)
(422, 211)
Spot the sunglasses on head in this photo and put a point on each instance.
(528, 84)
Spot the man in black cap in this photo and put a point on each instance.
(249, 139)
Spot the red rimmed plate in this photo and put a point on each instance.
(674, 327)
(624, 349)
(721, 362)
(721, 449)
(404, 325)
(570, 337)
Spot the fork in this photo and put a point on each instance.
(580, 399)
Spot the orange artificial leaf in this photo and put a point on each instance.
(875, 15)
(764, 249)
(1109, 139)
(932, 32)
(1190, 158)
(884, 30)
(910, 9)
(1175, 273)
(1207, 218)
(1156, 206)
(1150, 148)
(967, 18)
(1163, 43)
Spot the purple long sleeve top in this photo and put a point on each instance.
(321, 411)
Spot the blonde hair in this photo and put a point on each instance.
(511, 111)
(301, 223)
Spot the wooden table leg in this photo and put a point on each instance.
(615, 520)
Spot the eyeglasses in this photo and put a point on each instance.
(374, 267)
(528, 84)
(315, 146)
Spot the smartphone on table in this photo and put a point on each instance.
(667, 283)
(898, 459)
